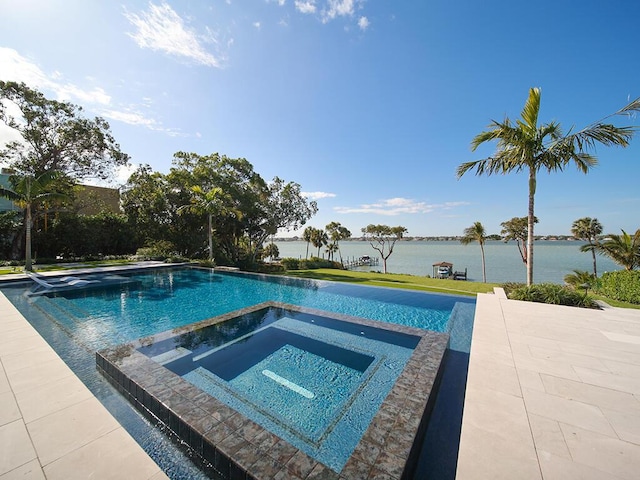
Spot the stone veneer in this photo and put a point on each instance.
(235, 447)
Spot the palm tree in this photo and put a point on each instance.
(528, 146)
(319, 238)
(337, 232)
(588, 229)
(307, 235)
(476, 233)
(622, 249)
(29, 191)
(331, 249)
(208, 202)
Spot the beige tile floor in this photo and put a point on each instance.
(552, 393)
(51, 426)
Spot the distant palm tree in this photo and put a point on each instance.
(588, 229)
(307, 235)
(580, 279)
(476, 233)
(29, 191)
(337, 232)
(331, 249)
(208, 202)
(528, 146)
(319, 238)
(622, 249)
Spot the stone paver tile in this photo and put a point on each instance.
(488, 401)
(626, 425)
(548, 437)
(567, 411)
(524, 361)
(560, 468)
(492, 376)
(9, 411)
(591, 394)
(606, 353)
(26, 340)
(4, 381)
(615, 382)
(602, 452)
(28, 471)
(556, 356)
(15, 446)
(485, 456)
(36, 356)
(531, 380)
(37, 375)
(518, 338)
(485, 351)
(72, 428)
(113, 456)
(622, 368)
(41, 401)
(622, 337)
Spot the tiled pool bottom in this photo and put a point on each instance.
(238, 447)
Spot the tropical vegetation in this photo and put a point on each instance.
(383, 238)
(529, 146)
(588, 229)
(476, 233)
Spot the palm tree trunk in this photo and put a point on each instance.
(484, 270)
(531, 218)
(593, 254)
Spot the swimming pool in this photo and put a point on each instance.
(161, 300)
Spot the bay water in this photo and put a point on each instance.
(553, 259)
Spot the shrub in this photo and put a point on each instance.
(622, 285)
(551, 293)
(308, 264)
(290, 263)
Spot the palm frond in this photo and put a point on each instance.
(530, 112)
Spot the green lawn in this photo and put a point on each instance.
(410, 282)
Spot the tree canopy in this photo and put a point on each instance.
(382, 239)
(529, 146)
(56, 137)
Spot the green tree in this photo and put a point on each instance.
(588, 229)
(382, 239)
(28, 191)
(622, 249)
(319, 238)
(516, 229)
(476, 233)
(337, 233)
(271, 250)
(528, 146)
(209, 203)
(580, 279)
(306, 236)
(56, 137)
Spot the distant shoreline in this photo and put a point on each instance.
(442, 238)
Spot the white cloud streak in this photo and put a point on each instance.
(399, 206)
(160, 28)
(317, 195)
(307, 6)
(15, 67)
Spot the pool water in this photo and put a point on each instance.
(299, 375)
(78, 323)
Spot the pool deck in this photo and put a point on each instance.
(553, 393)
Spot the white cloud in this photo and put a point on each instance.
(339, 8)
(307, 6)
(398, 206)
(161, 28)
(15, 67)
(256, 25)
(317, 195)
(363, 23)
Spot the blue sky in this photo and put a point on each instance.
(370, 105)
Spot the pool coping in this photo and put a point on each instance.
(237, 447)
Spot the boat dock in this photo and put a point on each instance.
(363, 261)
